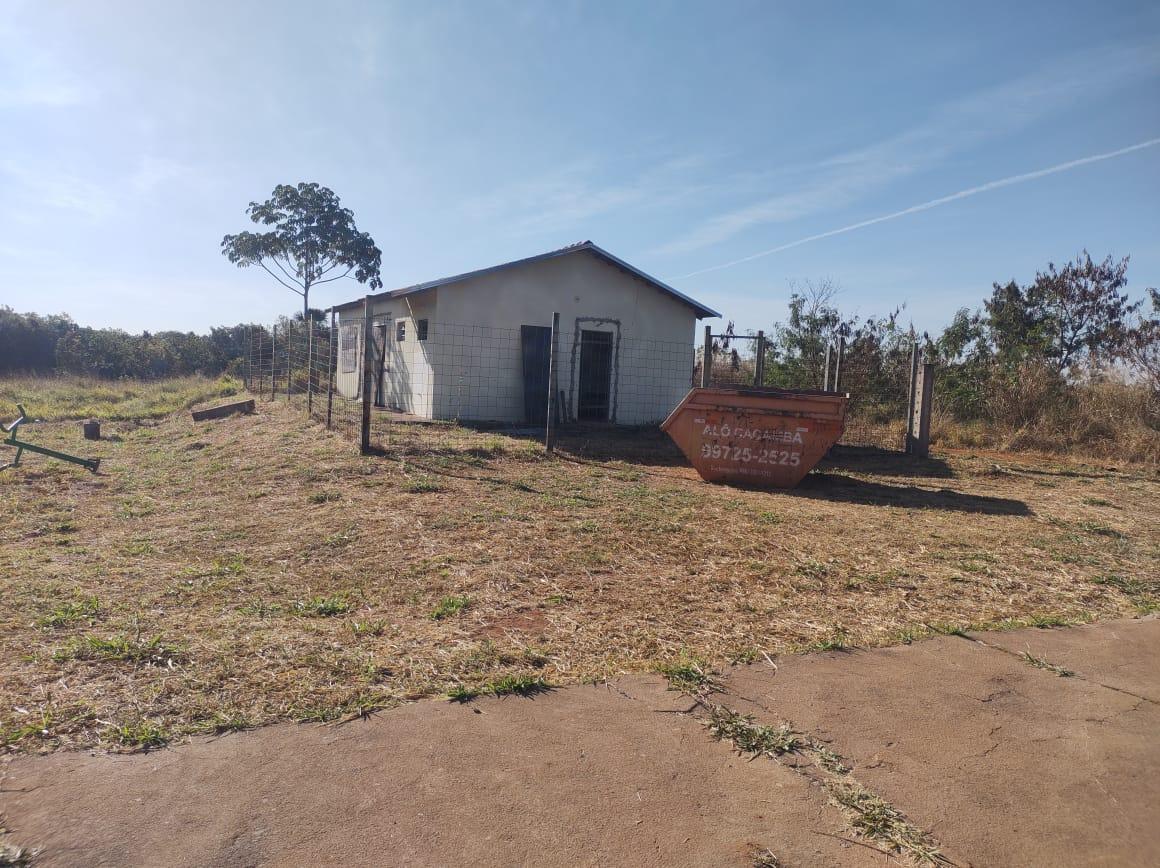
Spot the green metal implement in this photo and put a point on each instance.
(88, 463)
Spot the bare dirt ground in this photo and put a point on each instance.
(984, 750)
(222, 575)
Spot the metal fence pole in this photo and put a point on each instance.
(331, 364)
(707, 358)
(759, 364)
(309, 367)
(289, 360)
(367, 377)
(838, 364)
(826, 372)
(553, 374)
(273, 359)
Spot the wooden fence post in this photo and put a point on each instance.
(826, 373)
(367, 376)
(331, 365)
(553, 375)
(911, 397)
(759, 365)
(707, 359)
(838, 364)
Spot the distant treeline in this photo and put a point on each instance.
(34, 344)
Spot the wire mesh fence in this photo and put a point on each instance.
(400, 385)
(878, 377)
(423, 376)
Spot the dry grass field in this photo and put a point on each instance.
(221, 575)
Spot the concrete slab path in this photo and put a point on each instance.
(1004, 763)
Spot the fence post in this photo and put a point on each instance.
(273, 361)
(367, 377)
(553, 374)
(331, 364)
(838, 364)
(309, 367)
(759, 365)
(707, 359)
(924, 400)
(912, 393)
(289, 361)
(826, 372)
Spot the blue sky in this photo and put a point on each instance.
(681, 136)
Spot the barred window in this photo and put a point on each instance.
(348, 341)
(401, 330)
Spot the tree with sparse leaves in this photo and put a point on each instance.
(1069, 317)
(313, 240)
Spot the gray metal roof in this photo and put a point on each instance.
(702, 310)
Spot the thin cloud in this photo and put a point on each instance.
(934, 203)
(572, 195)
(843, 179)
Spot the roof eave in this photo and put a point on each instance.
(701, 310)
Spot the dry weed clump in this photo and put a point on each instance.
(1099, 419)
(195, 585)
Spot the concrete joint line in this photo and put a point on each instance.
(1076, 675)
(833, 773)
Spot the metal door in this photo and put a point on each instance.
(536, 350)
(593, 397)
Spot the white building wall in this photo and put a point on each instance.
(471, 366)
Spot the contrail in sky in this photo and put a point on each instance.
(934, 203)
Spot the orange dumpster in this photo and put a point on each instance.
(763, 437)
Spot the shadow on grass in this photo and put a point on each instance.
(847, 489)
(886, 462)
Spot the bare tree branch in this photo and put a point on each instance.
(280, 280)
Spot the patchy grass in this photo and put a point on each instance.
(320, 607)
(120, 648)
(611, 557)
(140, 735)
(752, 738)
(517, 685)
(55, 399)
(422, 485)
(12, 856)
(448, 606)
(691, 676)
(73, 612)
(881, 823)
(837, 640)
(507, 685)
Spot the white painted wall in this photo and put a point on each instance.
(471, 365)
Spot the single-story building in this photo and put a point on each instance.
(475, 346)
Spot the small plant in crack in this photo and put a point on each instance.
(749, 737)
(688, 676)
(828, 760)
(882, 823)
(1040, 663)
(766, 859)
